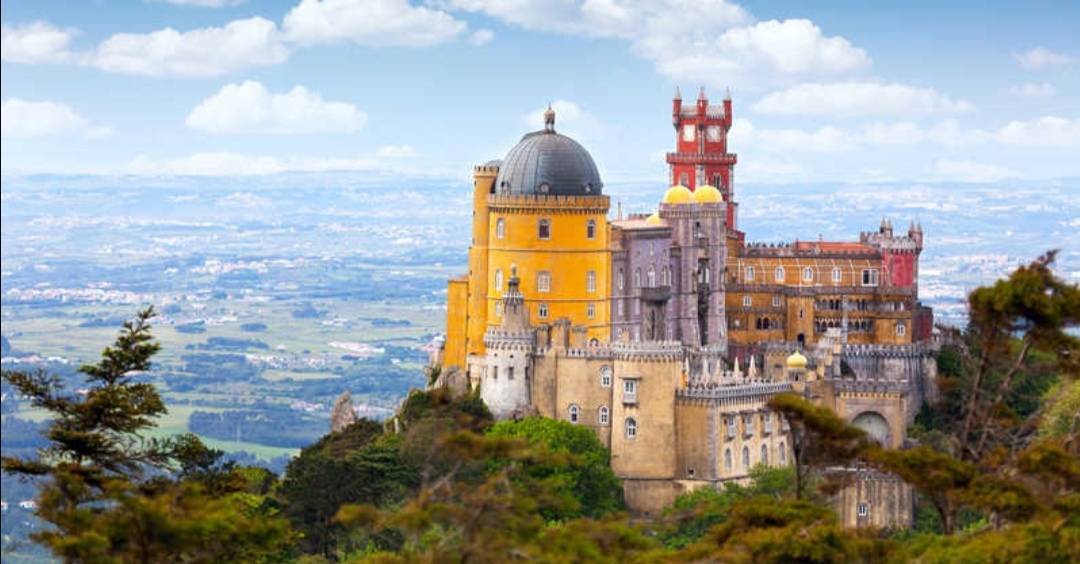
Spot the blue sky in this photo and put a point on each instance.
(823, 91)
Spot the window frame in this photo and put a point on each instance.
(543, 281)
(630, 428)
(779, 274)
(543, 229)
(542, 311)
(500, 228)
(573, 414)
(603, 415)
(590, 229)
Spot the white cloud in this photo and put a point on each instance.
(1046, 131)
(35, 42)
(370, 22)
(237, 164)
(1033, 90)
(1039, 57)
(714, 42)
(395, 152)
(858, 99)
(250, 108)
(570, 118)
(208, 51)
(24, 118)
(481, 37)
(971, 171)
(204, 3)
(823, 140)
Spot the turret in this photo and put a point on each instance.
(727, 109)
(676, 108)
(702, 103)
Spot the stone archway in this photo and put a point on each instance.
(875, 425)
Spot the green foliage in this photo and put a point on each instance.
(1062, 418)
(96, 496)
(585, 477)
(324, 477)
(694, 513)
(819, 438)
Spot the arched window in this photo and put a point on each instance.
(543, 229)
(575, 413)
(631, 428)
(749, 274)
(637, 278)
(747, 301)
(836, 276)
(652, 276)
(621, 279)
(779, 274)
(500, 228)
(590, 281)
(746, 458)
(808, 274)
(605, 377)
(727, 459)
(542, 311)
(901, 329)
(764, 454)
(498, 279)
(590, 229)
(604, 415)
(590, 311)
(783, 453)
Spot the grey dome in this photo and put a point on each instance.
(547, 163)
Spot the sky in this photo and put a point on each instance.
(823, 91)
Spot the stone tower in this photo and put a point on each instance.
(504, 386)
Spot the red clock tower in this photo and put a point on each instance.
(701, 154)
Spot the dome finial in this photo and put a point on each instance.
(549, 119)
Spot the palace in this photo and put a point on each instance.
(667, 333)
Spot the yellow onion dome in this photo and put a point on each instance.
(707, 195)
(654, 219)
(678, 194)
(796, 360)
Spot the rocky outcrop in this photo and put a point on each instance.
(343, 413)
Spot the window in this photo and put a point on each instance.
(764, 454)
(604, 415)
(776, 301)
(622, 308)
(652, 276)
(727, 459)
(747, 301)
(808, 274)
(498, 279)
(901, 329)
(590, 229)
(779, 274)
(498, 309)
(542, 311)
(509, 372)
(500, 228)
(621, 279)
(543, 281)
(590, 281)
(494, 372)
(631, 428)
(836, 275)
(870, 277)
(590, 310)
(543, 229)
(575, 413)
(864, 509)
(746, 458)
(767, 418)
(629, 391)
(688, 132)
(749, 274)
(605, 377)
(783, 453)
(748, 425)
(637, 278)
(729, 422)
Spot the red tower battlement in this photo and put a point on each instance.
(701, 154)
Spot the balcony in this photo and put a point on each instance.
(656, 294)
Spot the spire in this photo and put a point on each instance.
(701, 94)
(678, 95)
(727, 94)
(549, 119)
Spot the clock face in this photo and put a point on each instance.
(713, 133)
(688, 132)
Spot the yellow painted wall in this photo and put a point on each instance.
(568, 255)
(483, 181)
(457, 297)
